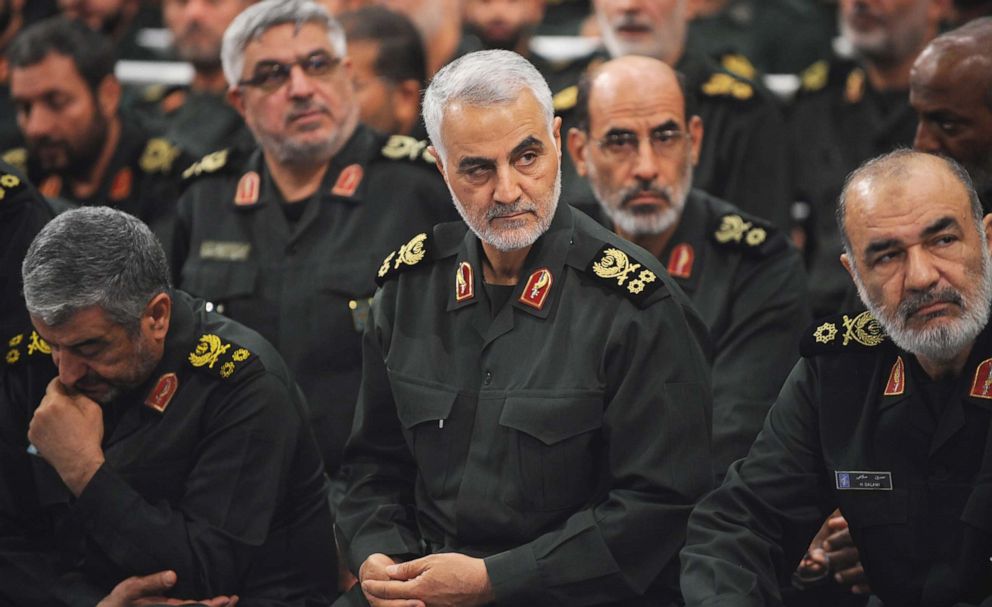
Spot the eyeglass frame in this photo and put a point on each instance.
(258, 80)
(676, 134)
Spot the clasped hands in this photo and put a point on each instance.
(437, 580)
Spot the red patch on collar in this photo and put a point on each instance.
(680, 261)
(160, 396)
(981, 387)
(247, 192)
(464, 282)
(537, 288)
(348, 181)
(51, 186)
(897, 379)
(121, 186)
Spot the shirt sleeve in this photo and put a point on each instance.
(657, 428)
(745, 537)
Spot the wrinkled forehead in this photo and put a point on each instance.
(288, 42)
(627, 97)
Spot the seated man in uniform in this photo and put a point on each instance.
(742, 275)
(886, 415)
(171, 437)
(526, 432)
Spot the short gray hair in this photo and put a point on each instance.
(895, 164)
(259, 18)
(483, 78)
(94, 256)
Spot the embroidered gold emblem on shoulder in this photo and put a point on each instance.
(863, 329)
(208, 164)
(209, 351)
(8, 182)
(616, 265)
(825, 333)
(410, 254)
(37, 344)
(158, 156)
(403, 146)
(725, 85)
(815, 76)
(733, 228)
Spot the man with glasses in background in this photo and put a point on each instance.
(744, 278)
(287, 238)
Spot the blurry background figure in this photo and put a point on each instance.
(949, 89)
(847, 111)
(389, 69)
(121, 20)
(777, 36)
(80, 151)
(196, 116)
(503, 24)
(440, 25)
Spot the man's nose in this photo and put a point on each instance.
(922, 273)
(925, 141)
(71, 368)
(508, 190)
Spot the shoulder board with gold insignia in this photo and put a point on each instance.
(852, 332)
(416, 250)
(747, 234)
(9, 184)
(565, 99)
(154, 93)
(723, 84)
(736, 63)
(815, 77)
(24, 346)
(214, 354)
(17, 158)
(158, 156)
(403, 147)
(618, 270)
(211, 163)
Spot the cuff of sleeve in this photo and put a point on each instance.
(514, 577)
(393, 542)
(105, 503)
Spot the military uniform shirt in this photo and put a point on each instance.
(748, 284)
(307, 287)
(852, 428)
(563, 440)
(837, 123)
(211, 470)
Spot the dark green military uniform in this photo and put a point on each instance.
(744, 154)
(861, 426)
(838, 122)
(778, 36)
(142, 179)
(563, 437)
(211, 470)
(196, 121)
(306, 284)
(749, 285)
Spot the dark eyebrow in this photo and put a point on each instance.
(86, 342)
(881, 245)
(529, 142)
(471, 162)
(671, 125)
(934, 228)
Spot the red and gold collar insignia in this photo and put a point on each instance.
(537, 288)
(348, 181)
(464, 282)
(247, 192)
(680, 261)
(120, 188)
(160, 396)
(981, 387)
(897, 379)
(51, 186)
(854, 88)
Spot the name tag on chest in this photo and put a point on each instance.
(224, 250)
(861, 480)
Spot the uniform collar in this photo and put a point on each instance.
(686, 249)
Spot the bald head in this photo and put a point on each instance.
(951, 91)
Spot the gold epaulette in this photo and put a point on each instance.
(620, 271)
(843, 333)
(815, 77)
(738, 64)
(24, 345)
(416, 250)
(401, 147)
(9, 183)
(17, 158)
(748, 234)
(722, 84)
(213, 355)
(565, 99)
(158, 156)
(211, 163)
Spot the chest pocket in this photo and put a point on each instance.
(219, 281)
(347, 289)
(423, 410)
(552, 451)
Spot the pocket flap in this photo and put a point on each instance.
(219, 280)
(553, 419)
(977, 508)
(419, 403)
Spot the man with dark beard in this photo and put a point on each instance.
(742, 275)
(949, 88)
(120, 20)
(197, 117)
(886, 416)
(80, 150)
(170, 437)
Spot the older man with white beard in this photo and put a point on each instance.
(745, 279)
(887, 416)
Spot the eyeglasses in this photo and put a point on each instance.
(624, 145)
(271, 75)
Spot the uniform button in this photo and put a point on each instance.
(489, 378)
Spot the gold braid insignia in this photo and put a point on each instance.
(207, 351)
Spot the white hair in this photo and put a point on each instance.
(255, 20)
(483, 78)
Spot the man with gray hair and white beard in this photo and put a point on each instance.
(887, 415)
(533, 424)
